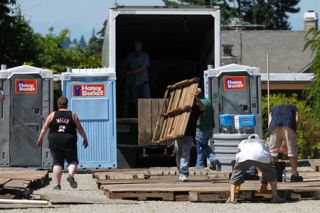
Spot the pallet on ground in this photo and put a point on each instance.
(16, 182)
(210, 186)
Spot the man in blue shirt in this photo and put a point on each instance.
(283, 123)
(137, 64)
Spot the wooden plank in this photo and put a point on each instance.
(149, 113)
(156, 113)
(160, 121)
(3, 181)
(69, 199)
(30, 175)
(119, 175)
(27, 206)
(142, 196)
(208, 196)
(17, 184)
(35, 178)
(6, 196)
(148, 118)
(143, 119)
(153, 180)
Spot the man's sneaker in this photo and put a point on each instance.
(72, 182)
(213, 165)
(229, 200)
(183, 178)
(278, 200)
(295, 178)
(57, 187)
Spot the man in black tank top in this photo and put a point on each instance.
(63, 125)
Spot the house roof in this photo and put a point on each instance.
(284, 48)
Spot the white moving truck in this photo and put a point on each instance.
(181, 43)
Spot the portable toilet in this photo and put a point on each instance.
(235, 92)
(91, 94)
(28, 101)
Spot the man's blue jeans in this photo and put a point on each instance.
(183, 149)
(203, 147)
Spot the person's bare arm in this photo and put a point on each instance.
(44, 129)
(80, 129)
(297, 118)
(200, 104)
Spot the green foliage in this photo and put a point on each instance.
(312, 92)
(312, 41)
(53, 56)
(271, 13)
(20, 45)
(17, 43)
(307, 132)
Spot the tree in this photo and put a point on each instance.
(271, 13)
(281, 9)
(17, 43)
(312, 41)
(52, 55)
(66, 42)
(82, 42)
(75, 41)
(92, 53)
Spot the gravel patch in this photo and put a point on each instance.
(87, 187)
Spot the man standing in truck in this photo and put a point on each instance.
(136, 65)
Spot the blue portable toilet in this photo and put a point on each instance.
(91, 94)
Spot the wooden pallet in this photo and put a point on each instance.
(17, 182)
(175, 113)
(149, 111)
(208, 186)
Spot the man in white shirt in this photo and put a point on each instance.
(253, 152)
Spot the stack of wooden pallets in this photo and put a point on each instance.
(17, 182)
(204, 185)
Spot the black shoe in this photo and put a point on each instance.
(295, 178)
(212, 165)
(72, 182)
(57, 187)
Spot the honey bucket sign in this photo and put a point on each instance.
(234, 83)
(26, 86)
(88, 90)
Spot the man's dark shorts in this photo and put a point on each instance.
(241, 168)
(61, 155)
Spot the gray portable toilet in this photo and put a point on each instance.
(235, 91)
(92, 96)
(28, 101)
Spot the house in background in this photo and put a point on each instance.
(278, 53)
